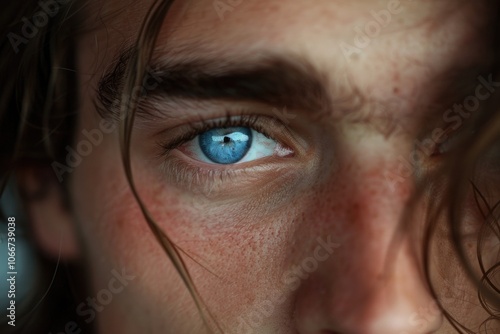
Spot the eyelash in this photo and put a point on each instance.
(205, 178)
(229, 121)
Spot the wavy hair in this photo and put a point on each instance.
(38, 108)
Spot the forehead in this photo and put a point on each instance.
(380, 44)
(301, 23)
(252, 23)
(330, 31)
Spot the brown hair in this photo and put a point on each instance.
(38, 110)
(37, 117)
(38, 107)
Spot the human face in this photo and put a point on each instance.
(295, 241)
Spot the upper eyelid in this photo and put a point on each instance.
(251, 121)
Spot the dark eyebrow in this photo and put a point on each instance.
(277, 80)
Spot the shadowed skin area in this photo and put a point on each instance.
(291, 243)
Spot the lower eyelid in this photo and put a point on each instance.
(182, 157)
(196, 176)
(181, 169)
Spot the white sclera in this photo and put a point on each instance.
(261, 147)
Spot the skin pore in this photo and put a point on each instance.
(243, 227)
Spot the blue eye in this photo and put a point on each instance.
(226, 145)
(232, 145)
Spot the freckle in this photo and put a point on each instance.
(396, 90)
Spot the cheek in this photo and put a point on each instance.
(220, 246)
(116, 235)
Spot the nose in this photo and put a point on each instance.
(370, 285)
(373, 299)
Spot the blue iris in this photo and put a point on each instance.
(226, 145)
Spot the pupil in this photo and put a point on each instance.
(226, 145)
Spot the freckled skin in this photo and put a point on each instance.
(238, 249)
